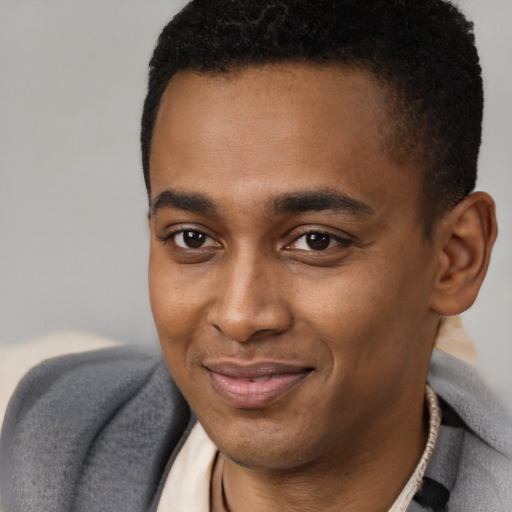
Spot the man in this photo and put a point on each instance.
(310, 169)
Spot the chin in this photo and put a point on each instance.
(255, 457)
(264, 446)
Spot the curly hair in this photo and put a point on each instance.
(422, 52)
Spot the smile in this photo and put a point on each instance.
(255, 386)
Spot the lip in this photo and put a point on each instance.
(256, 385)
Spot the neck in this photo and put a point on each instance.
(367, 474)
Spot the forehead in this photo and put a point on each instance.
(317, 126)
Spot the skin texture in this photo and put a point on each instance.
(360, 313)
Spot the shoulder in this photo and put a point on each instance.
(473, 454)
(104, 420)
(461, 386)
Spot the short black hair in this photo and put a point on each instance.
(422, 51)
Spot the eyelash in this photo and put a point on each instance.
(341, 241)
(170, 236)
(344, 242)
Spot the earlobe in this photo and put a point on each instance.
(464, 239)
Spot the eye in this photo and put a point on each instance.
(192, 239)
(318, 241)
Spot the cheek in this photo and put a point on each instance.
(176, 301)
(175, 316)
(344, 301)
(365, 307)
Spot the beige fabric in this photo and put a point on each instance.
(453, 339)
(188, 484)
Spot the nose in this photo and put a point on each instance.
(250, 300)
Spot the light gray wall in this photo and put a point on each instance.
(72, 203)
(490, 319)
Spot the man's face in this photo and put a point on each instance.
(289, 274)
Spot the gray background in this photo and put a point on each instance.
(72, 203)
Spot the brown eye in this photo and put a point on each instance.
(318, 241)
(192, 239)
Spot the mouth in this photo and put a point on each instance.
(257, 385)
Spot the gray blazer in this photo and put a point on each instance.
(99, 432)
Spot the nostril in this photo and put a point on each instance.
(245, 310)
(246, 332)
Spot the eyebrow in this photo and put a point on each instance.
(293, 202)
(191, 202)
(318, 200)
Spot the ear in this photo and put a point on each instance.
(463, 240)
